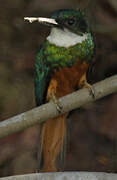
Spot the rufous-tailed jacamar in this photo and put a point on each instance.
(61, 66)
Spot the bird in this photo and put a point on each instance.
(62, 64)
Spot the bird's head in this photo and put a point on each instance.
(73, 20)
(69, 27)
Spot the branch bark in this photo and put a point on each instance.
(48, 110)
(64, 175)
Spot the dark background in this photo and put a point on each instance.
(92, 144)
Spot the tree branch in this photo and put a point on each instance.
(47, 111)
(64, 175)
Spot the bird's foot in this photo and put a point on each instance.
(51, 95)
(90, 88)
(56, 102)
(85, 84)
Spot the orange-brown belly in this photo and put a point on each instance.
(66, 79)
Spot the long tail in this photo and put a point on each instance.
(53, 144)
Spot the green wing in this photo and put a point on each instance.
(42, 78)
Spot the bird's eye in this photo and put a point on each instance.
(71, 22)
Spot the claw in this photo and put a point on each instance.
(92, 92)
(59, 107)
(84, 84)
(57, 103)
(90, 88)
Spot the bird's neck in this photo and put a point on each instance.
(65, 38)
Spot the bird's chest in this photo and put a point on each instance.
(66, 79)
(61, 57)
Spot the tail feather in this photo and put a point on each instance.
(53, 144)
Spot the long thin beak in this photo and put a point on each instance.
(46, 21)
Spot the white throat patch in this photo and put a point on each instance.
(65, 38)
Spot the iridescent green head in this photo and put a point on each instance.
(74, 20)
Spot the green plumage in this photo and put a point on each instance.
(41, 78)
(57, 57)
(81, 24)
